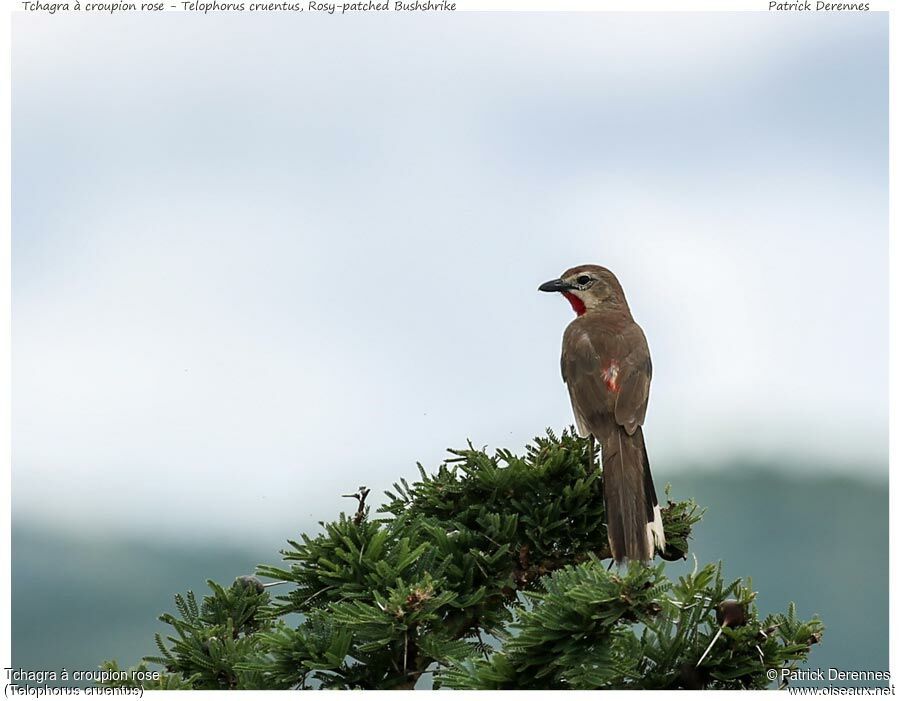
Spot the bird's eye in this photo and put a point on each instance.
(583, 280)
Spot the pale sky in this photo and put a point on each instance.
(259, 261)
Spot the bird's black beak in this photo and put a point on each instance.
(556, 286)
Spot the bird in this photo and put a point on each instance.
(607, 369)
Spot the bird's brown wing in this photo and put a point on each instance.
(634, 381)
(582, 373)
(597, 396)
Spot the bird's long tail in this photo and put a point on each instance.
(634, 523)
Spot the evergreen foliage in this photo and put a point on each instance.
(488, 574)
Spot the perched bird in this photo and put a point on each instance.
(606, 367)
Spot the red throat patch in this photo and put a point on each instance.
(576, 303)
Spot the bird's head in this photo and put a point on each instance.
(588, 288)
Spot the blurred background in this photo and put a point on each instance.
(261, 260)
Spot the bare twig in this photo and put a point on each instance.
(360, 496)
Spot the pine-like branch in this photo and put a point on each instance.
(491, 547)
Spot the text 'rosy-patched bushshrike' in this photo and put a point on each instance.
(606, 367)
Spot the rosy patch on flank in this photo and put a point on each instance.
(610, 374)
